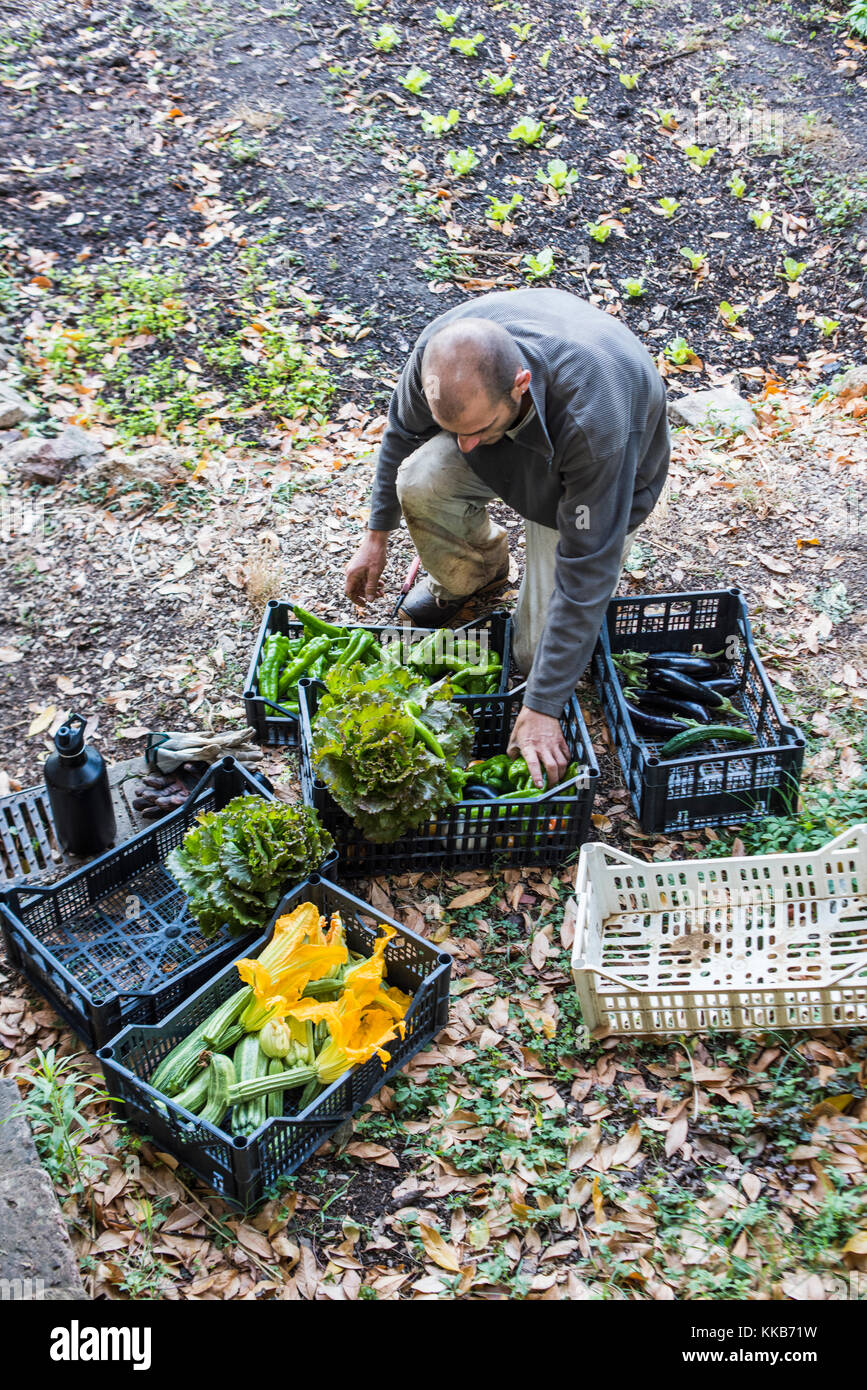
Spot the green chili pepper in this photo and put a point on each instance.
(273, 656)
(310, 653)
(359, 644)
(422, 729)
(317, 626)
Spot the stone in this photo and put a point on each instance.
(36, 1258)
(720, 407)
(851, 383)
(14, 410)
(46, 460)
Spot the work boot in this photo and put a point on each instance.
(424, 609)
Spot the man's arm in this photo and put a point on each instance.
(593, 519)
(410, 423)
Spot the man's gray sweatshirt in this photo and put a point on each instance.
(591, 463)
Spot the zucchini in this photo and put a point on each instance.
(275, 1099)
(689, 738)
(221, 1075)
(194, 1096)
(250, 1063)
(175, 1070)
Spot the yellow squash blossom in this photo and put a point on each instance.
(357, 1033)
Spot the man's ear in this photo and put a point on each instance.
(522, 384)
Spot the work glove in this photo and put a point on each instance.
(166, 752)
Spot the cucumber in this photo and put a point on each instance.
(689, 738)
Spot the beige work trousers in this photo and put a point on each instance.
(444, 504)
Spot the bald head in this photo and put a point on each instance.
(467, 364)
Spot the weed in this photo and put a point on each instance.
(579, 105)
(792, 269)
(736, 186)
(761, 217)
(699, 158)
(629, 79)
(603, 43)
(826, 326)
(58, 1107)
(668, 207)
(634, 288)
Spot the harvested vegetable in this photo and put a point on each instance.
(235, 864)
(384, 745)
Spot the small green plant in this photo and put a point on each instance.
(414, 80)
(736, 186)
(437, 125)
(792, 269)
(462, 161)
(522, 31)
(445, 20)
(667, 119)
(599, 231)
(629, 79)
(761, 217)
(631, 165)
(634, 288)
(469, 47)
(497, 86)
(668, 207)
(558, 175)
(827, 327)
(699, 158)
(386, 38)
(359, 6)
(527, 130)
(501, 212)
(603, 43)
(541, 266)
(697, 259)
(728, 313)
(679, 351)
(57, 1106)
(579, 105)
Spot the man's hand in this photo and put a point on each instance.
(538, 738)
(364, 571)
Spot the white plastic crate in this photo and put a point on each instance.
(684, 946)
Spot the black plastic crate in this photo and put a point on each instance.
(274, 725)
(113, 942)
(243, 1170)
(721, 787)
(470, 833)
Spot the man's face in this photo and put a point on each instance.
(485, 421)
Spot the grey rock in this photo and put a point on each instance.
(14, 410)
(43, 460)
(720, 407)
(851, 383)
(36, 1258)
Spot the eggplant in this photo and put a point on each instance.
(665, 704)
(700, 667)
(675, 683)
(656, 725)
(726, 686)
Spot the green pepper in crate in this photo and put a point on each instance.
(317, 627)
(310, 653)
(357, 648)
(273, 656)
